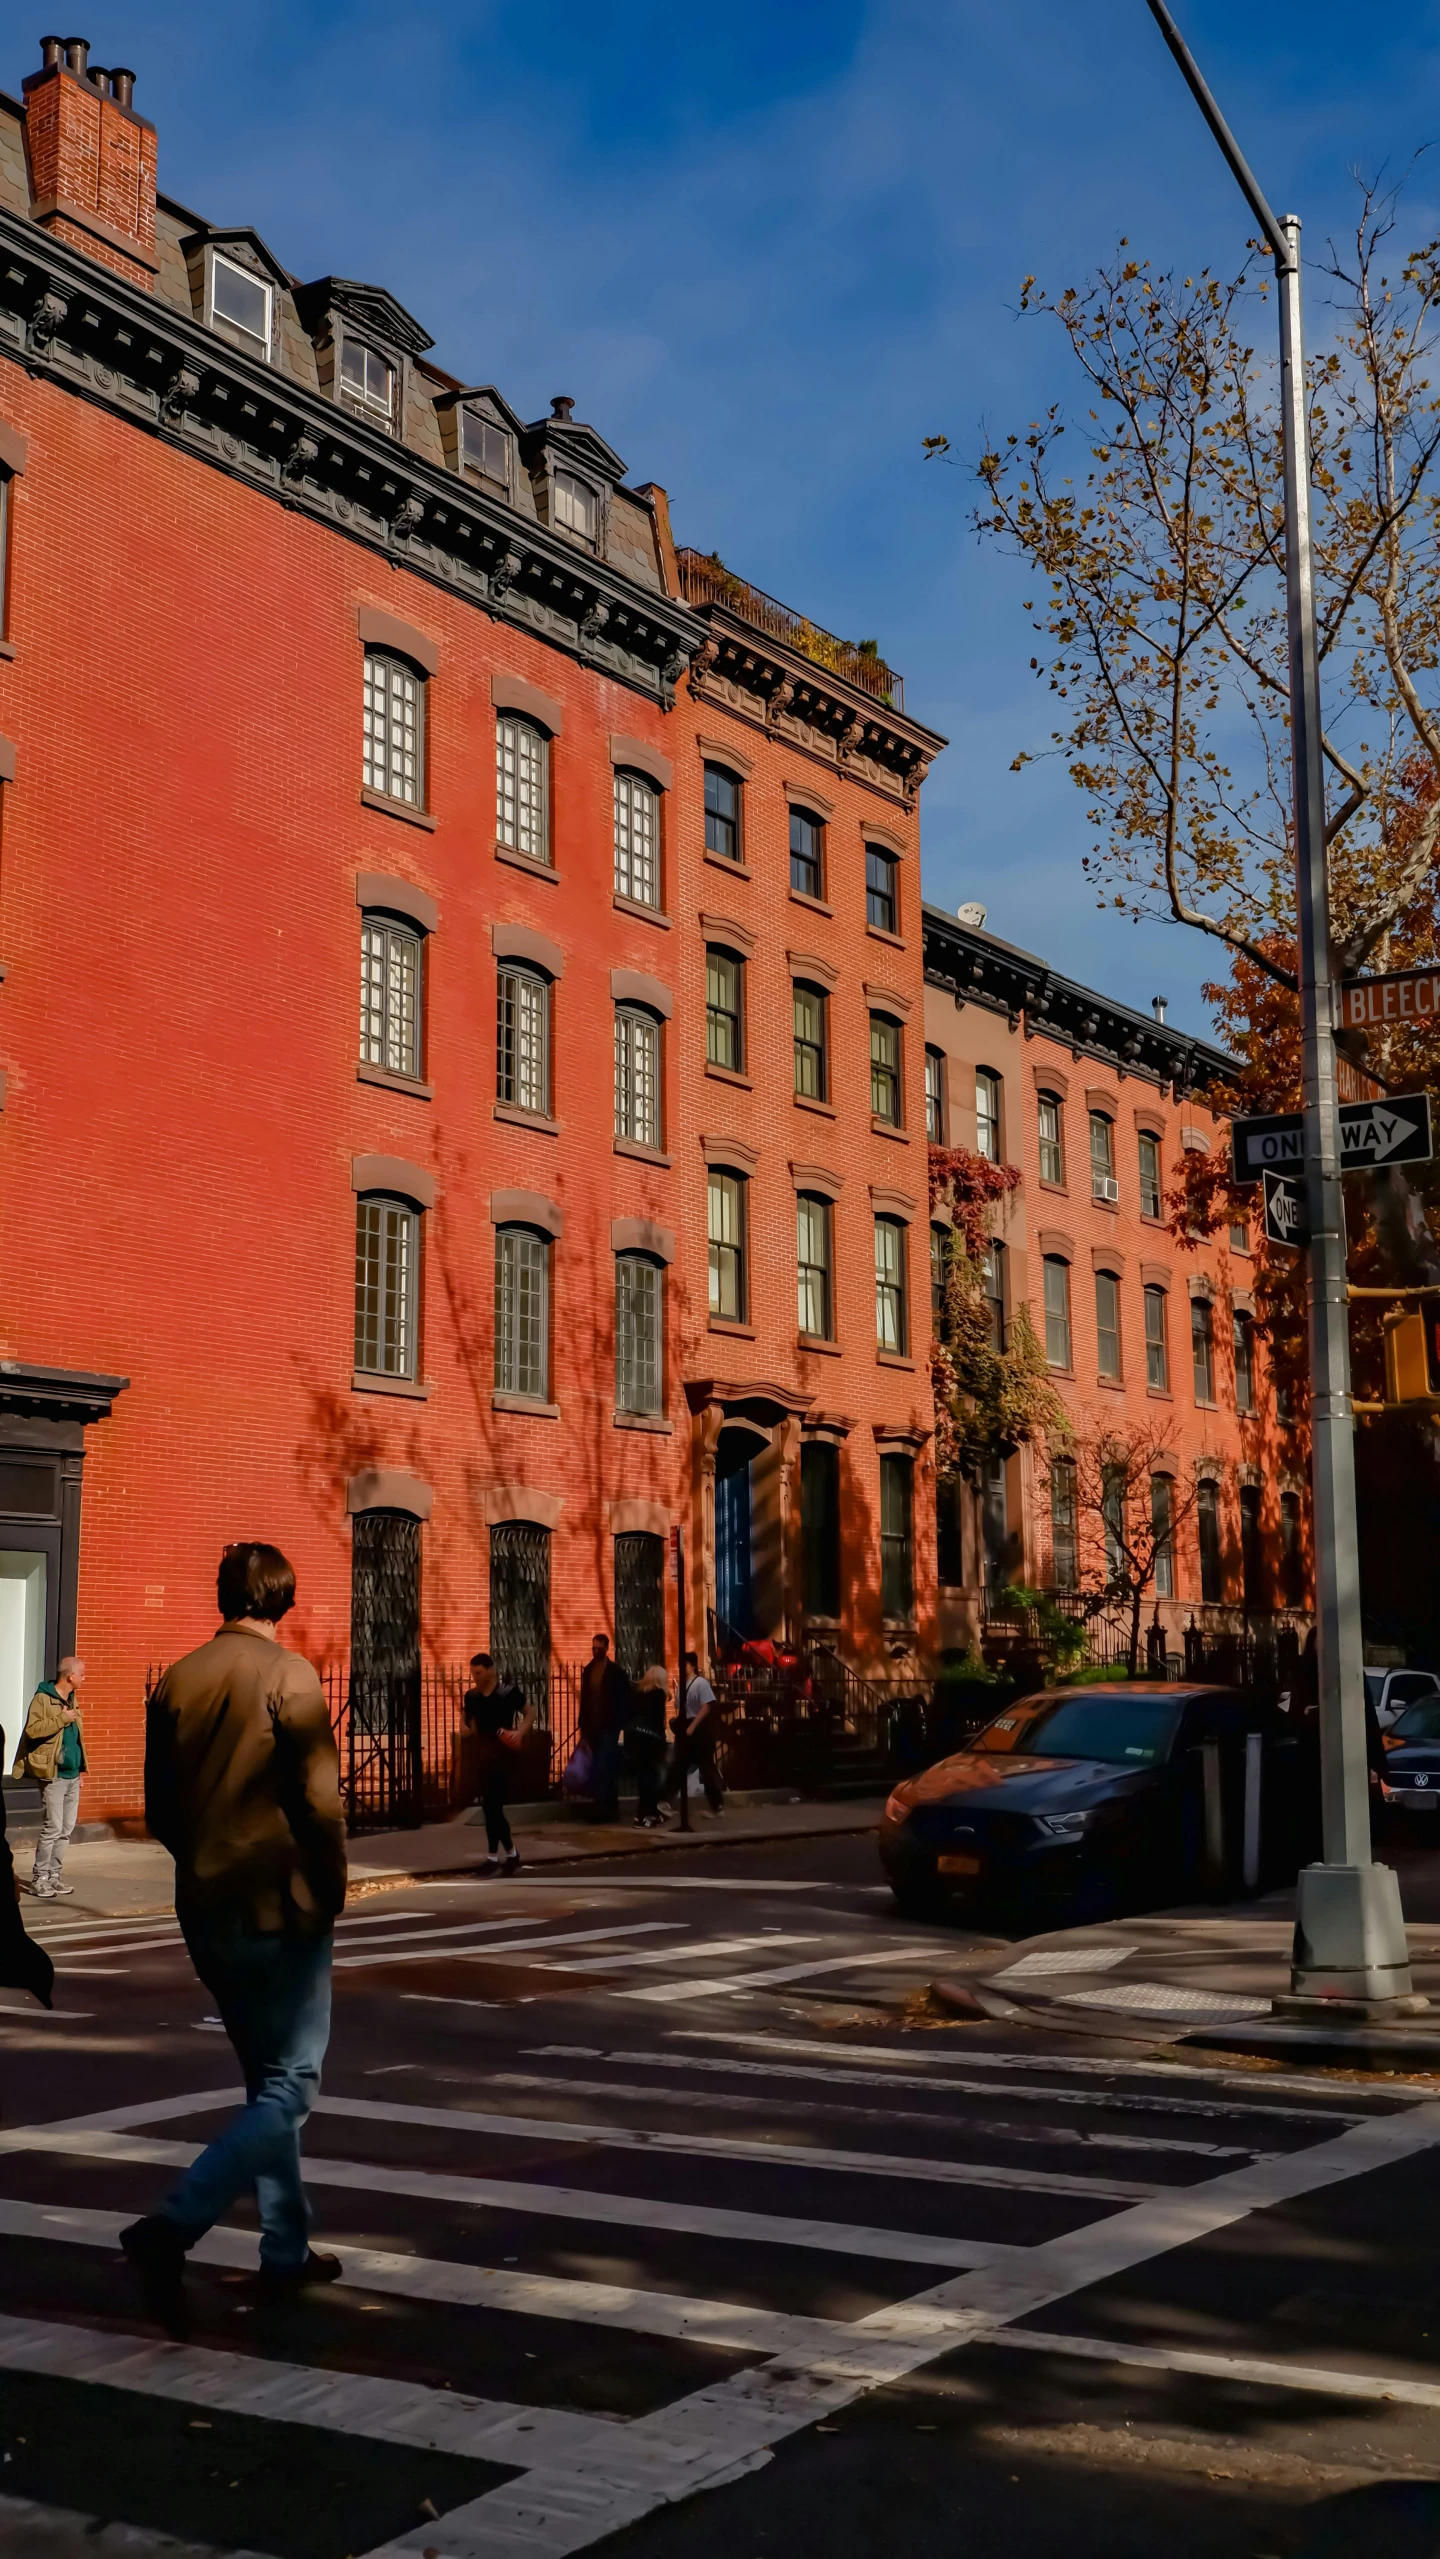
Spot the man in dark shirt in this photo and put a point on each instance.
(604, 1700)
(496, 1711)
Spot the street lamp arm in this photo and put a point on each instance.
(1240, 168)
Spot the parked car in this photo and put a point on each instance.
(1391, 1691)
(1410, 1779)
(1089, 1797)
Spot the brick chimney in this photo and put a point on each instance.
(92, 159)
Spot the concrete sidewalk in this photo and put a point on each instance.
(126, 1879)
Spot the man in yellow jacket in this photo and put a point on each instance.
(52, 1751)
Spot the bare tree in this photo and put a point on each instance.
(1127, 1504)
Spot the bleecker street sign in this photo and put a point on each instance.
(1405, 995)
(1395, 1131)
(1285, 1218)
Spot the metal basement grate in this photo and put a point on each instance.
(1167, 1999)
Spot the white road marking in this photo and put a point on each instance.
(409, 1954)
(709, 1946)
(732, 2426)
(625, 2307)
(404, 2412)
(1082, 2065)
(562, 2203)
(149, 2110)
(722, 1987)
(1267, 2370)
(91, 1972)
(769, 2154)
(710, 2099)
(56, 1931)
(457, 1928)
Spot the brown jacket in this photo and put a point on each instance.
(43, 1739)
(242, 1786)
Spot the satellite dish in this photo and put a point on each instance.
(973, 915)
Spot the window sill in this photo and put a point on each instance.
(1052, 1371)
(887, 1128)
(530, 862)
(722, 862)
(643, 914)
(642, 1154)
(8, 649)
(367, 1382)
(817, 905)
(818, 1342)
(1112, 1385)
(387, 807)
(894, 1359)
(503, 1402)
(1159, 1394)
(807, 1102)
(518, 1117)
(882, 933)
(724, 1324)
(1059, 1188)
(1151, 1217)
(653, 1422)
(1108, 1208)
(729, 1075)
(392, 1083)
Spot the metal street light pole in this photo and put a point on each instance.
(1349, 1930)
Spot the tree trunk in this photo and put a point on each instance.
(1137, 1602)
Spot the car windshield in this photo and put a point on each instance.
(1133, 1732)
(1374, 1687)
(1419, 1723)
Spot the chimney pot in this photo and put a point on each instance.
(50, 51)
(1157, 1006)
(123, 85)
(77, 55)
(562, 406)
(100, 79)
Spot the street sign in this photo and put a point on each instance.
(1395, 1131)
(1285, 1219)
(1401, 995)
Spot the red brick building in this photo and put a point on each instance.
(462, 1005)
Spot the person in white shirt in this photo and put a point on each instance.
(696, 1737)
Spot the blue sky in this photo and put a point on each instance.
(769, 248)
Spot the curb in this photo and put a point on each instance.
(666, 1843)
(1377, 2048)
(977, 2001)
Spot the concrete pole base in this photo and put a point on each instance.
(1349, 1935)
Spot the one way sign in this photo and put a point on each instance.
(1395, 1131)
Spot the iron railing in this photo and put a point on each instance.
(704, 579)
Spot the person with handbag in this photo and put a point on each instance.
(645, 1742)
(497, 1714)
(52, 1751)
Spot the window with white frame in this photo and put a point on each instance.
(885, 1086)
(935, 1096)
(1057, 1311)
(522, 1037)
(484, 447)
(522, 1312)
(1149, 1149)
(812, 1259)
(390, 981)
(394, 757)
(1051, 1130)
(1107, 1324)
(723, 791)
(387, 1266)
(987, 1114)
(637, 839)
(810, 1042)
(724, 1010)
(1103, 1185)
(1244, 1331)
(574, 505)
(725, 1227)
(637, 1075)
(882, 900)
(891, 1313)
(1162, 1531)
(639, 1333)
(522, 787)
(240, 306)
(992, 1270)
(1157, 1347)
(1202, 1348)
(367, 382)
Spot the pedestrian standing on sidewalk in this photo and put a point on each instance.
(696, 1733)
(645, 1742)
(52, 1751)
(496, 1711)
(604, 1699)
(242, 1786)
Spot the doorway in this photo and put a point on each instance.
(26, 1586)
(734, 1565)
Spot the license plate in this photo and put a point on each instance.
(958, 1865)
(1415, 1802)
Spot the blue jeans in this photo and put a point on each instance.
(273, 1994)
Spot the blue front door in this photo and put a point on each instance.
(733, 1600)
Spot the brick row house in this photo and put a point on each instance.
(463, 1011)
(1097, 1105)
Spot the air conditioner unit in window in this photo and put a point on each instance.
(1106, 1187)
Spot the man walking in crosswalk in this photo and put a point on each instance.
(242, 1786)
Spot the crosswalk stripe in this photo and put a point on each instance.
(404, 2412)
(1265, 2369)
(778, 2154)
(596, 2206)
(462, 1928)
(409, 1954)
(625, 2307)
(778, 1972)
(712, 2100)
(708, 1947)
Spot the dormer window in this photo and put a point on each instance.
(240, 307)
(367, 382)
(573, 505)
(484, 447)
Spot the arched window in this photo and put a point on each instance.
(387, 1270)
(639, 1334)
(639, 1600)
(1107, 1324)
(522, 1312)
(637, 1075)
(885, 1085)
(394, 759)
(637, 839)
(724, 1010)
(1057, 1311)
(522, 1038)
(807, 854)
(725, 1222)
(1157, 1348)
(882, 903)
(520, 1607)
(1052, 1140)
(722, 812)
(1103, 1185)
(522, 787)
(1149, 1147)
(811, 1070)
(391, 976)
(987, 1114)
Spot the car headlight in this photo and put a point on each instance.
(897, 1810)
(1062, 1825)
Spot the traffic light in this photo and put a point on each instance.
(1412, 1354)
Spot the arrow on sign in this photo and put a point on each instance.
(1394, 1131)
(1285, 1218)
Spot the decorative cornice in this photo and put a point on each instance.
(69, 320)
(757, 676)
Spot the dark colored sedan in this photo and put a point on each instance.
(1410, 1777)
(1088, 1797)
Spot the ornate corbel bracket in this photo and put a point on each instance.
(779, 701)
(593, 622)
(300, 454)
(701, 663)
(504, 574)
(45, 319)
(408, 517)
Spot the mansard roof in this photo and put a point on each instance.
(370, 306)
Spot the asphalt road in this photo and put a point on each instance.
(674, 2221)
